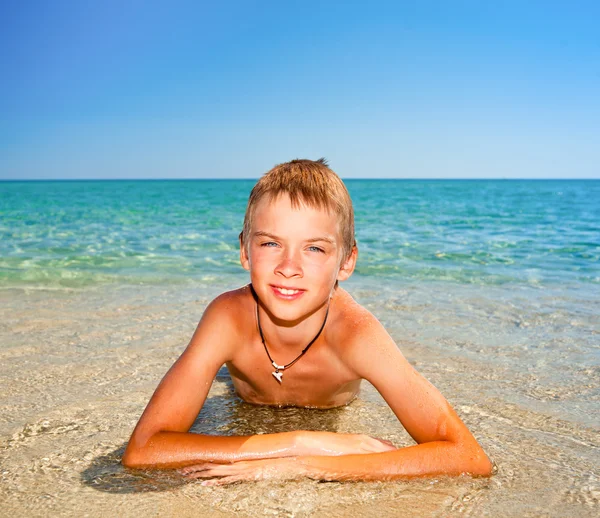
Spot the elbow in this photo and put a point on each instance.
(138, 453)
(483, 467)
(130, 458)
(480, 465)
(471, 460)
(134, 457)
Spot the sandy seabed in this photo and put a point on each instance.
(78, 367)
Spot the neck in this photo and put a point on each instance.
(290, 334)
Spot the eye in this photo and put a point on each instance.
(269, 244)
(316, 249)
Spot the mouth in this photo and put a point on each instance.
(287, 293)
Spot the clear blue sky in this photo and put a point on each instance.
(420, 89)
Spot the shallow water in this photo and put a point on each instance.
(77, 368)
(88, 233)
(491, 289)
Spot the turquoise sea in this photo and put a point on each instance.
(491, 289)
(82, 233)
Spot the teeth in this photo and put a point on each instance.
(288, 292)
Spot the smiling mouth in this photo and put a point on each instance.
(286, 291)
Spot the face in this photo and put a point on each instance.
(294, 256)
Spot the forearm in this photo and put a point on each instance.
(426, 459)
(178, 449)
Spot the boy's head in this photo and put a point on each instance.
(307, 182)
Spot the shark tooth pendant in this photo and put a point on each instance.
(277, 374)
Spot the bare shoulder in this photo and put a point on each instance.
(227, 304)
(352, 320)
(357, 332)
(230, 316)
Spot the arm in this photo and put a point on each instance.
(444, 444)
(161, 438)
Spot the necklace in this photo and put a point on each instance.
(278, 373)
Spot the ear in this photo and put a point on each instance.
(348, 264)
(244, 255)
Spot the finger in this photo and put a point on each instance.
(381, 442)
(196, 467)
(387, 443)
(381, 448)
(378, 445)
(212, 471)
(199, 474)
(385, 447)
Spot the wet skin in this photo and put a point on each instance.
(295, 259)
(320, 379)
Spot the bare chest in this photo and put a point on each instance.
(318, 379)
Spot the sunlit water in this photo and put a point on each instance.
(491, 289)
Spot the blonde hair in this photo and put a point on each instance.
(306, 182)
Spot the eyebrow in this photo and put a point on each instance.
(326, 239)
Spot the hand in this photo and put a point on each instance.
(282, 469)
(329, 443)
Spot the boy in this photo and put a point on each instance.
(294, 337)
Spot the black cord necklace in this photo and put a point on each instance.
(278, 373)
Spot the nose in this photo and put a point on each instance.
(289, 266)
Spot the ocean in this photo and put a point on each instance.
(83, 233)
(491, 288)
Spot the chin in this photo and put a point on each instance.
(286, 312)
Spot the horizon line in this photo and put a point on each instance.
(257, 178)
